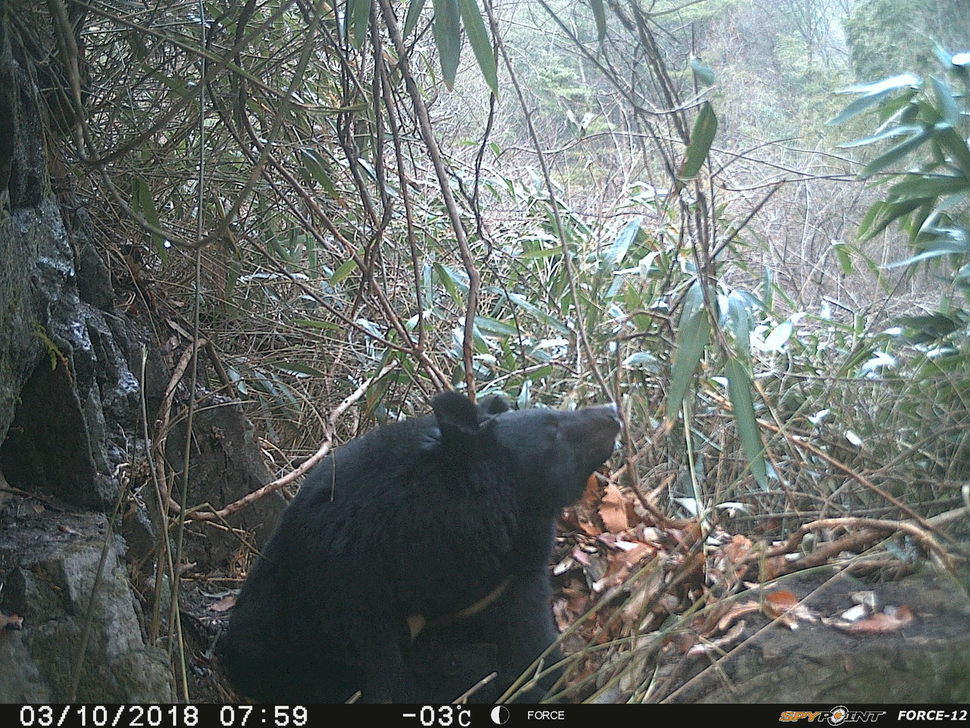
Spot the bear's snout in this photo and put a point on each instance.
(593, 430)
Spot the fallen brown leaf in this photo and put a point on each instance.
(881, 623)
(777, 602)
(11, 621)
(613, 510)
(589, 527)
(783, 605)
(738, 548)
(224, 604)
(735, 612)
(719, 644)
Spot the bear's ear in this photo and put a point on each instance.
(492, 405)
(457, 419)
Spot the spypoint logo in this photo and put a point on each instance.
(836, 716)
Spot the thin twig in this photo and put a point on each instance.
(444, 184)
(298, 472)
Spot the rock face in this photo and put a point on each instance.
(66, 396)
(226, 464)
(927, 661)
(49, 563)
(69, 418)
(63, 373)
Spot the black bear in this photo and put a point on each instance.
(504, 638)
(441, 524)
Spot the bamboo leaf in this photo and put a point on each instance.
(956, 145)
(737, 370)
(530, 308)
(893, 131)
(411, 19)
(343, 270)
(886, 85)
(881, 214)
(844, 255)
(928, 254)
(701, 138)
(936, 242)
(739, 392)
(874, 93)
(895, 154)
(599, 15)
(949, 110)
(768, 288)
(142, 202)
(450, 282)
(316, 169)
(925, 186)
(297, 368)
(702, 72)
(446, 29)
(779, 336)
(310, 323)
(357, 19)
(478, 37)
(693, 336)
(540, 253)
(739, 322)
(621, 245)
(494, 326)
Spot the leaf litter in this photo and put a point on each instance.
(628, 582)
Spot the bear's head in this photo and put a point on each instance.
(549, 453)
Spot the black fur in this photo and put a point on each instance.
(422, 518)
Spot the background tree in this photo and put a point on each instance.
(887, 36)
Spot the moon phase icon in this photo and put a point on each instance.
(500, 714)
